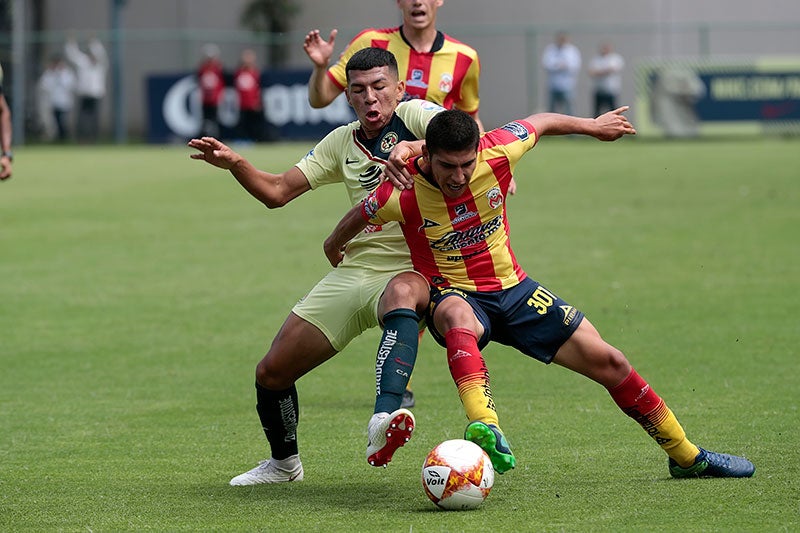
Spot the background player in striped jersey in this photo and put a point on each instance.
(454, 221)
(433, 65)
(378, 261)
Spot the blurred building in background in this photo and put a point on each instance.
(155, 44)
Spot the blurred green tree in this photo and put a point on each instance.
(271, 18)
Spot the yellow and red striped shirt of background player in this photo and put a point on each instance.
(447, 75)
(461, 242)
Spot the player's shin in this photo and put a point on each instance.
(470, 375)
(279, 413)
(639, 401)
(397, 353)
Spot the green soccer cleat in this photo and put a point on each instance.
(494, 443)
(712, 464)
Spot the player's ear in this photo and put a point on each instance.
(401, 90)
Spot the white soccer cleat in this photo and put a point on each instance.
(387, 432)
(272, 471)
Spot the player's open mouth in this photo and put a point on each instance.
(372, 115)
(417, 13)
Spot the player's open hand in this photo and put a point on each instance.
(214, 152)
(613, 125)
(395, 170)
(318, 49)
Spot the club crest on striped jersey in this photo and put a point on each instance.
(517, 129)
(446, 82)
(495, 197)
(389, 141)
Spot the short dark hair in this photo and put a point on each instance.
(452, 130)
(370, 58)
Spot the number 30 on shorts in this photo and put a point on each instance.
(541, 300)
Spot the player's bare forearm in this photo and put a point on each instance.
(607, 127)
(273, 190)
(348, 227)
(321, 90)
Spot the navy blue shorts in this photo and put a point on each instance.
(527, 317)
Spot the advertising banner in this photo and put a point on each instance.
(690, 98)
(175, 114)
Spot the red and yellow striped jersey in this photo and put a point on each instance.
(461, 242)
(447, 75)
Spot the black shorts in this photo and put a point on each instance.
(527, 317)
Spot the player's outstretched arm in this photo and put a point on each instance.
(321, 90)
(607, 127)
(273, 190)
(348, 227)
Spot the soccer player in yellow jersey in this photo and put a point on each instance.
(433, 65)
(454, 221)
(377, 262)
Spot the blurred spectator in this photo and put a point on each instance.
(212, 85)
(5, 133)
(562, 61)
(606, 71)
(57, 88)
(247, 81)
(91, 68)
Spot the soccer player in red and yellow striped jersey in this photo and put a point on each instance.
(433, 65)
(455, 224)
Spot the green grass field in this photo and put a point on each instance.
(138, 289)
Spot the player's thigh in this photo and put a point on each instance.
(453, 308)
(344, 303)
(587, 353)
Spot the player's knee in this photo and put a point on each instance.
(409, 291)
(271, 376)
(613, 365)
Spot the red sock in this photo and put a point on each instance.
(470, 375)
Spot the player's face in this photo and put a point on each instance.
(374, 95)
(419, 14)
(452, 171)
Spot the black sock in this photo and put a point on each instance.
(279, 413)
(397, 353)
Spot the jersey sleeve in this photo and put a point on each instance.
(416, 114)
(511, 142)
(321, 165)
(336, 73)
(382, 205)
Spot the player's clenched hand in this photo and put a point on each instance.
(333, 252)
(214, 152)
(318, 49)
(395, 170)
(613, 125)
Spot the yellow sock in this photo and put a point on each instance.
(476, 397)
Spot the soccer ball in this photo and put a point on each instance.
(457, 475)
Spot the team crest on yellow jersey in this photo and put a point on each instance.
(446, 82)
(388, 142)
(495, 197)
